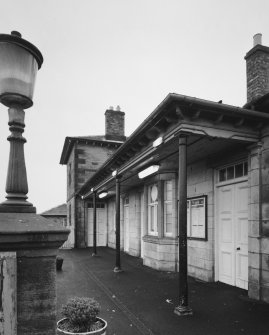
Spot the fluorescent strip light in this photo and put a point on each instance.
(148, 171)
(158, 142)
(102, 194)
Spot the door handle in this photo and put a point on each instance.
(238, 248)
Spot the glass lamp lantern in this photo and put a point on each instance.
(19, 63)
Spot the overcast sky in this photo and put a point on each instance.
(132, 53)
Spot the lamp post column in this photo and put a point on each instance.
(182, 308)
(16, 183)
(118, 262)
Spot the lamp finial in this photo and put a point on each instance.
(16, 33)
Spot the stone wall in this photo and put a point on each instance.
(84, 161)
(160, 254)
(89, 159)
(259, 220)
(201, 253)
(70, 182)
(36, 298)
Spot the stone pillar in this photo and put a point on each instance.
(254, 231)
(35, 241)
(182, 308)
(264, 217)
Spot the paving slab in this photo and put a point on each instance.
(141, 300)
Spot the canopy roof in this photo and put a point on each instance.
(180, 114)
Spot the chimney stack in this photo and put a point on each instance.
(257, 61)
(115, 124)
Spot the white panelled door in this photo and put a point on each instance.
(101, 229)
(232, 212)
(126, 228)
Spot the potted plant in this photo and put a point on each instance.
(81, 317)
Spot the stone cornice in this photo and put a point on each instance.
(30, 231)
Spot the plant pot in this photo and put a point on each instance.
(101, 331)
(59, 263)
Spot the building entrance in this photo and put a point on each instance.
(232, 215)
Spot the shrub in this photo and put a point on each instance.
(81, 314)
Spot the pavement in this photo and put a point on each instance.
(141, 300)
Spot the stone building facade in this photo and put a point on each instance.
(221, 153)
(83, 156)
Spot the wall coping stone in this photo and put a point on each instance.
(30, 231)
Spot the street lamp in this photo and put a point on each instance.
(19, 62)
(28, 242)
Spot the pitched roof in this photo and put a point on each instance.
(56, 211)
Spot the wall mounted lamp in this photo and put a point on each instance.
(103, 194)
(157, 142)
(148, 171)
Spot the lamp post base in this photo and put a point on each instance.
(17, 204)
(117, 269)
(183, 311)
(16, 209)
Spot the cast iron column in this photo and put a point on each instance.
(182, 308)
(94, 225)
(118, 265)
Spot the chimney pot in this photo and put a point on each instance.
(111, 108)
(118, 108)
(257, 39)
